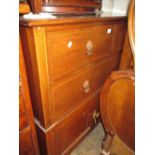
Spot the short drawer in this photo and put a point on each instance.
(69, 49)
(68, 93)
(26, 146)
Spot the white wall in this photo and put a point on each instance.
(107, 5)
(115, 6)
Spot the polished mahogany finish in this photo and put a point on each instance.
(117, 106)
(128, 54)
(117, 100)
(65, 6)
(127, 57)
(67, 60)
(36, 5)
(83, 3)
(28, 144)
(131, 26)
(70, 130)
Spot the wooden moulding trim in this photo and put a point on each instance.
(40, 126)
(70, 20)
(85, 101)
(69, 3)
(67, 10)
(42, 66)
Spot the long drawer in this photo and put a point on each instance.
(69, 49)
(63, 137)
(67, 94)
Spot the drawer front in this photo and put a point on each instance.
(23, 122)
(67, 50)
(26, 146)
(67, 94)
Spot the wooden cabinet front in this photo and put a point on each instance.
(68, 93)
(69, 130)
(67, 62)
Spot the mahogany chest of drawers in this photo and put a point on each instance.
(67, 61)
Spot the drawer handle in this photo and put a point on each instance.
(89, 47)
(69, 44)
(109, 31)
(86, 86)
(95, 115)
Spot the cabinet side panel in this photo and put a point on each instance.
(36, 76)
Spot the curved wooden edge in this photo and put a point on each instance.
(117, 75)
(131, 26)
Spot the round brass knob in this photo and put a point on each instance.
(89, 47)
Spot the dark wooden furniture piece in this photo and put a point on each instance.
(131, 26)
(117, 99)
(65, 6)
(118, 108)
(128, 54)
(67, 60)
(28, 144)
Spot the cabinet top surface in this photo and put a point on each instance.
(68, 19)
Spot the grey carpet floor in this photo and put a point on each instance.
(91, 145)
